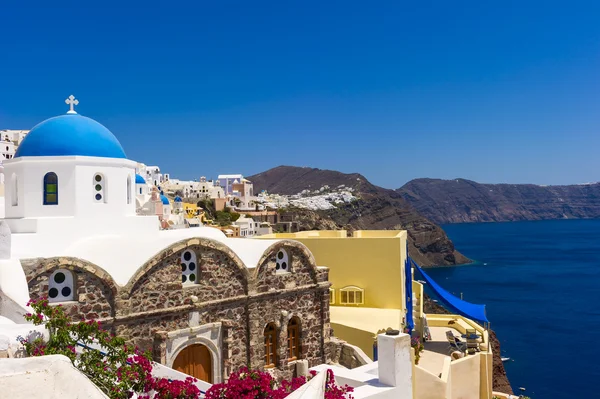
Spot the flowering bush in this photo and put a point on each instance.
(415, 342)
(119, 370)
(254, 384)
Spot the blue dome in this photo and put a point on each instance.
(178, 199)
(139, 179)
(164, 200)
(70, 134)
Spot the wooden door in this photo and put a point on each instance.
(195, 360)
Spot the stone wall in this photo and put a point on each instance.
(156, 302)
(343, 354)
(94, 289)
(303, 271)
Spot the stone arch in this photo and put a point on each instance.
(171, 250)
(276, 321)
(100, 286)
(214, 352)
(271, 251)
(48, 265)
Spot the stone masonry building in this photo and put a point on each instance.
(201, 302)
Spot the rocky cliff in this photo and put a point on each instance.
(460, 201)
(375, 208)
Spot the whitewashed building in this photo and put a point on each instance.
(72, 233)
(248, 227)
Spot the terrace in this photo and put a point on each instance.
(467, 376)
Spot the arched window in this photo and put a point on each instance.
(282, 262)
(270, 345)
(60, 286)
(15, 190)
(352, 296)
(129, 189)
(293, 331)
(99, 185)
(50, 189)
(189, 267)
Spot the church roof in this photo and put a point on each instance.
(69, 135)
(178, 199)
(139, 179)
(121, 255)
(164, 200)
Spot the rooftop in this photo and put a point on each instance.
(139, 248)
(438, 349)
(339, 234)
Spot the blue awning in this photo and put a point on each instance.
(471, 310)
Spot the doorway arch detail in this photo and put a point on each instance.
(207, 335)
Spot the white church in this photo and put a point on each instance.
(71, 233)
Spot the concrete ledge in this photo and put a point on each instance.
(54, 376)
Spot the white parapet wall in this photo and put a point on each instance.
(50, 377)
(388, 378)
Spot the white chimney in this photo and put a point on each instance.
(394, 363)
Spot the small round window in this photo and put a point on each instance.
(282, 262)
(99, 188)
(189, 267)
(60, 286)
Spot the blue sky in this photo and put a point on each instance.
(504, 92)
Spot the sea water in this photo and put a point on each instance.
(541, 284)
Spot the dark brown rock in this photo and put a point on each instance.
(500, 381)
(376, 208)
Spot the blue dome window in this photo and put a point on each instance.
(70, 135)
(50, 189)
(164, 200)
(139, 179)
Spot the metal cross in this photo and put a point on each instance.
(71, 101)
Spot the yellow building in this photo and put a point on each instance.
(368, 296)
(367, 278)
(191, 210)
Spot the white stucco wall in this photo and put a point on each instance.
(75, 187)
(50, 377)
(11, 332)
(465, 377)
(428, 386)
(13, 286)
(388, 378)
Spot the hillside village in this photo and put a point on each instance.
(190, 203)
(208, 277)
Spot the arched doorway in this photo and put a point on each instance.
(195, 360)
